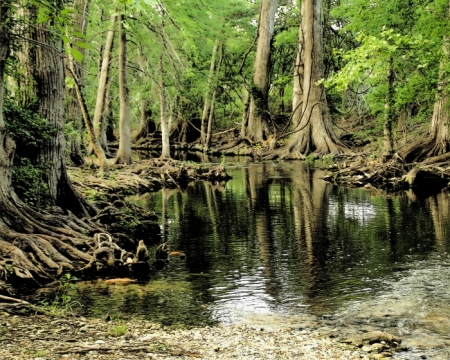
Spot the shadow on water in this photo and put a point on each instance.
(277, 240)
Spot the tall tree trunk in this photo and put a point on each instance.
(206, 105)
(258, 112)
(297, 98)
(244, 123)
(98, 150)
(213, 102)
(98, 120)
(172, 117)
(144, 122)
(165, 152)
(388, 140)
(73, 110)
(124, 152)
(314, 132)
(4, 51)
(210, 120)
(45, 65)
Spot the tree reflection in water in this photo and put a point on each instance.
(277, 239)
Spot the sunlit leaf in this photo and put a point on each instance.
(78, 56)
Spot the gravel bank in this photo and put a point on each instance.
(43, 337)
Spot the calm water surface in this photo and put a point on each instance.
(276, 240)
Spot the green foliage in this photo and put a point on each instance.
(29, 132)
(93, 195)
(61, 21)
(27, 183)
(26, 128)
(406, 33)
(368, 62)
(62, 304)
(118, 330)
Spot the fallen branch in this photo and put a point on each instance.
(3, 297)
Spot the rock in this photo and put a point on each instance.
(376, 356)
(377, 347)
(372, 338)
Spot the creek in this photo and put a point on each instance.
(278, 246)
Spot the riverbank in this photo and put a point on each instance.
(142, 176)
(44, 337)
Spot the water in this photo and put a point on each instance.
(277, 244)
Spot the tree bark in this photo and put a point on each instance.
(245, 115)
(213, 103)
(297, 98)
(73, 110)
(165, 152)
(124, 152)
(258, 112)
(4, 52)
(44, 64)
(388, 140)
(98, 150)
(98, 120)
(206, 106)
(144, 122)
(29, 256)
(314, 131)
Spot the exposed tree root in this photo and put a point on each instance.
(424, 150)
(38, 247)
(444, 158)
(351, 171)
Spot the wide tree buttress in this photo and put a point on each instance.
(314, 131)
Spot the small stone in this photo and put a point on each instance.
(100, 342)
(377, 347)
(84, 328)
(366, 348)
(376, 356)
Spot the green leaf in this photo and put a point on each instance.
(67, 11)
(79, 35)
(76, 54)
(66, 39)
(83, 45)
(43, 19)
(70, 82)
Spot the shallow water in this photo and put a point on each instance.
(277, 245)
